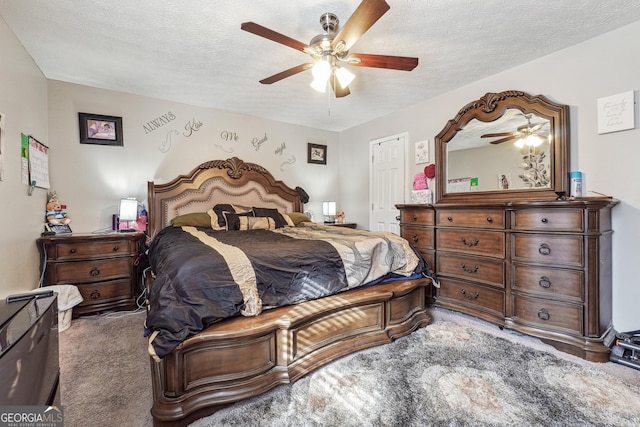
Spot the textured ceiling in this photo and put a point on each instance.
(193, 51)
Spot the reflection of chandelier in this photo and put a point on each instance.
(531, 140)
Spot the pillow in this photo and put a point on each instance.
(297, 217)
(271, 213)
(196, 219)
(217, 214)
(245, 222)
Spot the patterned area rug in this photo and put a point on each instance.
(445, 374)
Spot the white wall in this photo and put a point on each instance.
(576, 76)
(91, 179)
(23, 99)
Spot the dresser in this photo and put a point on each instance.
(542, 268)
(102, 266)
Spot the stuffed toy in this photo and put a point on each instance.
(56, 212)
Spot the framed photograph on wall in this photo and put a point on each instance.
(317, 153)
(100, 130)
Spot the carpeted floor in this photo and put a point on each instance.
(458, 371)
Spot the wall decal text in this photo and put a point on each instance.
(228, 136)
(158, 122)
(281, 148)
(166, 144)
(258, 142)
(191, 127)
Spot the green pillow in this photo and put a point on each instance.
(196, 219)
(298, 217)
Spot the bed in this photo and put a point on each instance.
(234, 358)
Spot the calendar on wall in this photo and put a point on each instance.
(38, 163)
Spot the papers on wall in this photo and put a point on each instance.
(38, 163)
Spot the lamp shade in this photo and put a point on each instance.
(128, 210)
(329, 208)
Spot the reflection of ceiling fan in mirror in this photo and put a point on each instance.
(329, 51)
(529, 134)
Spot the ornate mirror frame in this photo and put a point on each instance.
(491, 107)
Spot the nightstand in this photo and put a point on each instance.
(342, 224)
(102, 266)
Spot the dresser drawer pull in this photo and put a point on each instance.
(544, 220)
(543, 314)
(544, 249)
(468, 296)
(116, 248)
(95, 294)
(469, 270)
(450, 219)
(416, 238)
(94, 272)
(489, 219)
(474, 243)
(545, 282)
(73, 251)
(415, 217)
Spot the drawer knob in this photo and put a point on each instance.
(545, 282)
(94, 272)
(450, 219)
(469, 296)
(415, 217)
(471, 243)
(489, 219)
(544, 249)
(544, 220)
(116, 248)
(95, 294)
(72, 250)
(543, 314)
(416, 238)
(469, 270)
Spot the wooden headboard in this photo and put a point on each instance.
(218, 181)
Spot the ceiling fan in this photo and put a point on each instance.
(526, 134)
(329, 51)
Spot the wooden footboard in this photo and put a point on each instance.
(244, 357)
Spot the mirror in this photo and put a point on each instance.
(503, 147)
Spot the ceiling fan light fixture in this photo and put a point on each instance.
(319, 85)
(321, 70)
(344, 76)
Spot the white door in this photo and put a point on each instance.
(387, 183)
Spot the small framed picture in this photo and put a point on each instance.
(100, 130)
(317, 153)
(58, 228)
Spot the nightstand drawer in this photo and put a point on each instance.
(549, 282)
(85, 250)
(548, 249)
(483, 270)
(92, 271)
(549, 219)
(548, 314)
(422, 237)
(417, 216)
(478, 242)
(485, 218)
(95, 293)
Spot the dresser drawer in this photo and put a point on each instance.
(416, 216)
(548, 219)
(548, 249)
(487, 218)
(95, 293)
(422, 237)
(548, 314)
(469, 294)
(92, 270)
(84, 250)
(549, 282)
(479, 242)
(483, 270)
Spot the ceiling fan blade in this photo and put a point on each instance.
(286, 73)
(509, 138)
(338, 90)
(367, 13)
(493, 135)
(261, 31)
(403, 63)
